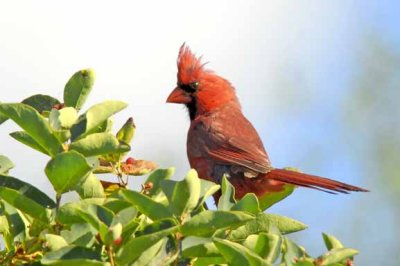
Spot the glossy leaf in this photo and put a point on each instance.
(127, 131)
(206, 223)
(266, 245)
(269, 199)
(206, 261)
(285, 224)
(54, 242)
(24, 138)
(183, 195)
(41, 102)
(98, 144)
(331, 242)
(336, 255)
(227, 199)
(90, 187)
(25, 204)
(78, 88)
(26, 190)
(66, 170)
(63, 119)
(3, 118)
(34, 125)
(5, 164)
(157, 176)
(18, 230)
(73, 255)
(249, 203)
(153, 209)
(79, 234)
(149, 256)
(292, 252)
(136, 246)
(96, 116)
(207, 189)
(194, 247)
(68, 212)
(238, 255)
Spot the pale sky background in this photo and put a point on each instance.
(294, 65)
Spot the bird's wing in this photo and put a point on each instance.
(234, 142)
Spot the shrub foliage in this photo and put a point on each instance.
(167, 222)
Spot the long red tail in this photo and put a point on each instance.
(311, 181)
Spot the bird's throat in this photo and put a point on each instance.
(192, 108)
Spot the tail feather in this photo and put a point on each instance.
(312, 181)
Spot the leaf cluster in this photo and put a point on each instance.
(166, 223)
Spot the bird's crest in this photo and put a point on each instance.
(189, 66)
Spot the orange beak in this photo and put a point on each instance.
(179, 96)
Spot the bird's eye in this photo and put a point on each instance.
(194, 85)
(190, 88)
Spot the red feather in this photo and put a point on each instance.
(222, 141)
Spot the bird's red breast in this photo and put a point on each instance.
(222, 141)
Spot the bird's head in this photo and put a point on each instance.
(201, 90)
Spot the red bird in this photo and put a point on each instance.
(222, 141)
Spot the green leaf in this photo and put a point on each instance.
(41, 102)
(26, 190)
(54, 242)
(206, 261)
(292, 252)
(68, 212)
(149, 256)
(227, 199)
(136, 246)
(25, 204)
(63, 119)
(34, 125)
(127, 131)
(157, 176)
(90, 188)
(79, 235)
(157, 226)
(208, 188)
(336, 255)
(153, 209)
(331, 242)
(73, 255)
(5, 164)
(263, 223)
(117, 205)
(125, 216)
(249, 203)
(3, 118)
(260, 224)
(284, 224)
(100, 218)
(96, 116)
(78, 88)
(66, 170)
(237, 254)
(184, 195)
(269, 199)
(18, 231)
(194, 247)
(98, 144)
(266, 245)
(206, 223)
(24, 138)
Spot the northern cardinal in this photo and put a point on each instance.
(222, 141)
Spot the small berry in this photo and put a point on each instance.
(118, 241)
(130, 160)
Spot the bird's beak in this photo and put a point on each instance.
(179, 96)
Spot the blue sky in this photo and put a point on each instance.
(293, 64)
